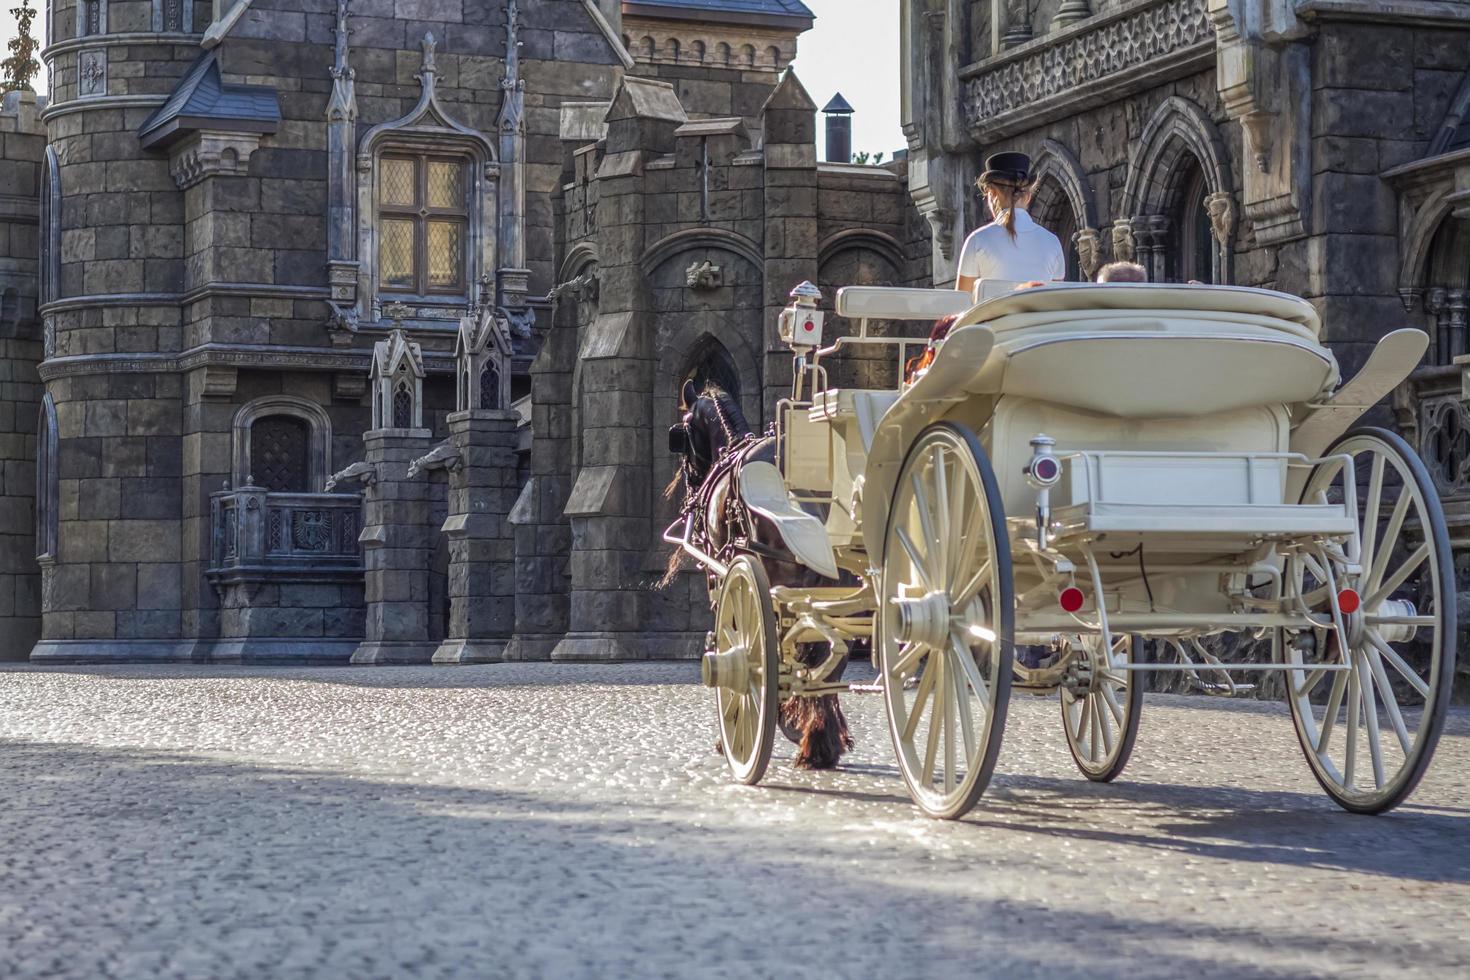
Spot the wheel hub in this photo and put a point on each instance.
(1396, 609)
(924, 619)
(727, 669)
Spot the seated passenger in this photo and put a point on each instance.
(1122, 272)
(918, 365)
(1012, 247)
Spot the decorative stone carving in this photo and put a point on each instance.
(1124, 246)
(941, 220)
(445, 456)
(1031, 86)
(341, 324)
(513, 275)
(92, 72)
(704, 276)
(363, 473)
(482, 358)
(1221, 208)
(210, 154)
(398, 383)
(341, 113)
(1089, 251)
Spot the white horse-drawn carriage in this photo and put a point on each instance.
(1083, 467)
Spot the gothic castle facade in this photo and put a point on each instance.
(349, 329)
(346, 330)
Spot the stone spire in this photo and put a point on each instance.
(341, 175)
(514, 278)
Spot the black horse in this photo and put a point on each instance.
(713, 441)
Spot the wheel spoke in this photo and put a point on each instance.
(1370, 715)
(974, 585)
(926, 513)
(921, 696)
(931, 751)
(941, 493)
(1390, 701)
(1386, 543)
(1370, 511)
(949, 682)
(1111, 697)
(965, 536)
(1350, 731)
(1398, 663)
(915, 559)
(1084, 727)
(970, 669)
(1105, 726)
(909, 656)
(1311, 681)
(1410, 565)
(967, 720)
(1329, 716)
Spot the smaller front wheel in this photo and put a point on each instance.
(744, 669)
(1100, 714)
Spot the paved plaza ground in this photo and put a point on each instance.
(573, 821)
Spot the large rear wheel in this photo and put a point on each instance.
(1370, 730)
(945, 621)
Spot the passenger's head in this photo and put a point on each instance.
(1122, 272)
(1007, 185)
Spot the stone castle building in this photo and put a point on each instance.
(347, 330)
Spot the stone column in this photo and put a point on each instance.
(482, 490)
(398, 546)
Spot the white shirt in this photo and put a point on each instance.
(1035, 253)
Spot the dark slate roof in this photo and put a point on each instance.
(202, 100)
(838, 105)
(784, 13)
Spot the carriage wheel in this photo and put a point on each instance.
(945, 620)
(1101, 721)
(744, 670)
(1369, 732)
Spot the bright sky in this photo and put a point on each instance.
(853, 49)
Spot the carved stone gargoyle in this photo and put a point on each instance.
(341, 325)
(704, 275)
(442, 457)
(366, 473)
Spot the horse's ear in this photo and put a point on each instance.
(689, 394)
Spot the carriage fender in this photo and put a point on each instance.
(952, 378)
(764, 492)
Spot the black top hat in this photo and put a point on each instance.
(1014, 167)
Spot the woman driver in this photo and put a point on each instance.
(1012, 247)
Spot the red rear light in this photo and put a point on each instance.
(1348, 601)
(1071, 599)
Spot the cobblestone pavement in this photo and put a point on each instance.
(573, 821)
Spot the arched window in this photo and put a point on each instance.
(697, 52)
(50, 230)
(280, 453)
(1052, 209)
(712, 364)
(773, 56)
(646, 47)
(48, 484)
(423, 224)
(489, 386)
(1193, 238)
(747, 55)
(723, 54)
(403, 402)
(672, 49)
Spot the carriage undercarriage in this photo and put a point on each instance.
(1344, 578)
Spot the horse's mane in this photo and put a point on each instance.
(729, 410)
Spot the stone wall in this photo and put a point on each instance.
(22, 149)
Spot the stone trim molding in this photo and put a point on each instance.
(262, 357)
(259, 290)
(682, 241)
(91, 102)
(880, 242)
(1094, 61)
(707, 45)
(129, 39)
(211, 153)
(319, 451)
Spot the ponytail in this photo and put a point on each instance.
(1011, 192)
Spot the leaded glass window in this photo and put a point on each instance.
(489, 386)
(280, 453)
(402, 406)
(423, 224)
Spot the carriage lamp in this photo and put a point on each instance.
(800, 326)
(1043, 472)
(1070, 599)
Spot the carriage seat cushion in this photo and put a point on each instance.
(764, 492)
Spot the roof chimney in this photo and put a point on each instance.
(839, 130)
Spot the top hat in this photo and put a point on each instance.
(1014, 167)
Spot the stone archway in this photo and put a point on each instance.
(1065, 205)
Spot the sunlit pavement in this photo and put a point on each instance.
(574, 821)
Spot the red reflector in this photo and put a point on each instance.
(1071, 599)
(1348, 601)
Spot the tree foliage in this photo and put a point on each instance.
(866, 158)
(21, 66)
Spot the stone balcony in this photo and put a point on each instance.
(1089, 63)
(288, 570)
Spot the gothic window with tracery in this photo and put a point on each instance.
(280, 447)
(402, 405)
(489, 386)
(423, 224)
